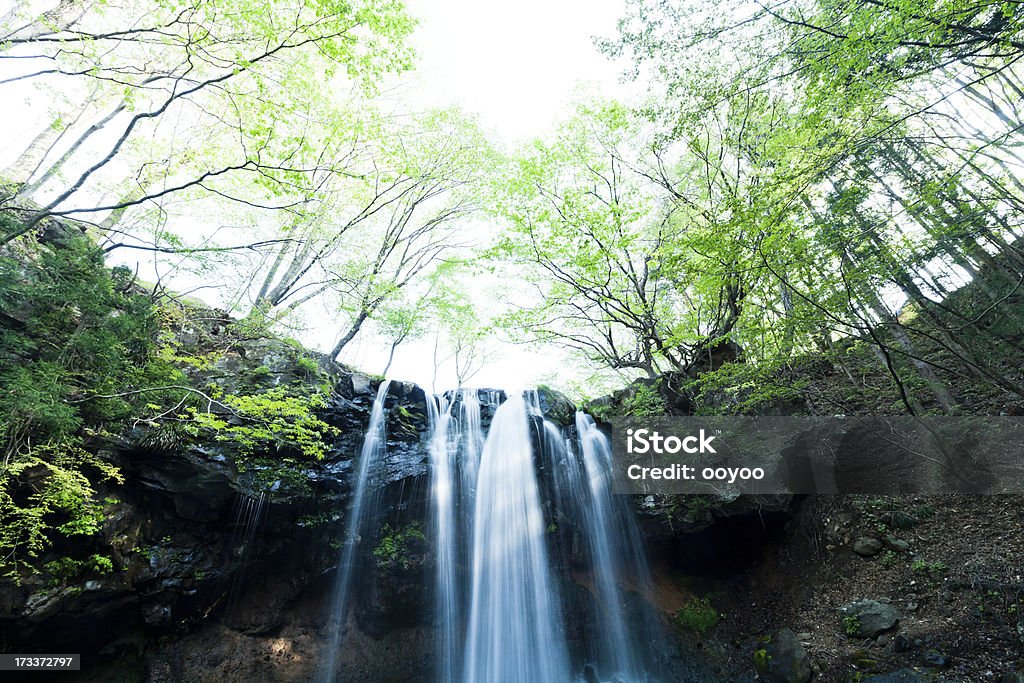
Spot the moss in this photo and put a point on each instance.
(698, 615)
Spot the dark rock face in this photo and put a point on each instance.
(215, 579)
(220, 576)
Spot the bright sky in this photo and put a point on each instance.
(515, 65)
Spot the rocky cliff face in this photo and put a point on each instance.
(222, 571)
(229, 562)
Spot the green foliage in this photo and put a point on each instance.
(307, 364)
(923, 567)
(81, 338)
(889, 558)
(698, 615)
(74, 347)
(396, 544)
(279, 419)
(742, 388)
(851, 625)
(646, 401)
(64, 569)
(761, 660)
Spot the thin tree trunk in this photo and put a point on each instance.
(33, 187)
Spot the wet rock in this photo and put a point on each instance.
(556, 407)
(361, 384)
(783, 660)
(867, 618)
(866, 546)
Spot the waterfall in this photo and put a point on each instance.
(443, 491)
(602, 529)
(374, 444)
(515, 615)
(498, 576)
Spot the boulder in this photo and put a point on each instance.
(867, 618)
(897, 545)
(866, 546)
(783, 659)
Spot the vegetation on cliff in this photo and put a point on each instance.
(87, 356)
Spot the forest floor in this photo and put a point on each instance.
(959, 588)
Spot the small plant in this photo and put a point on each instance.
(851, 625)
(921, 567)
(64, 569)
(698, 615)
(923, 512)
(101, 564)
(307, 364)
(888, 559)
(762, 660)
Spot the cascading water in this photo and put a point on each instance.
(374, 444)
(444, 531)
(515, 613)
(498, 611)
(603, 532)
(455, 446)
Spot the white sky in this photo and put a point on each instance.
(516, 66)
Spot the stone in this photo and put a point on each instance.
(361, 383)
(556, 407)
(784, 660)
(900, 643)
(897, 545)
(867, 618)
(933, 659)
(866, 546)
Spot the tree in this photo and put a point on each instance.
(234, 69)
